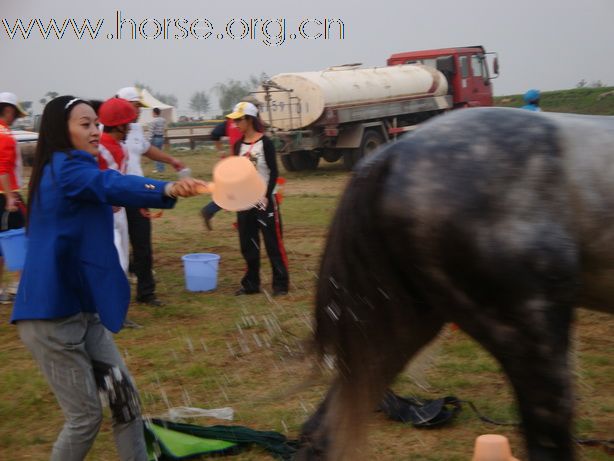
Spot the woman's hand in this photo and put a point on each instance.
(188, 187)
(177, 164)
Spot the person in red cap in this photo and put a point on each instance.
(116, 115)
(139, 223)
(11, 204)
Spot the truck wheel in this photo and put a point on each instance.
(350, 157)
(305, 160)
(286, 161)
(312, 160)
(371, 140)
(332, 155)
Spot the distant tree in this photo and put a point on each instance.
(49, 95)
(143, 86)
(596, 84)
(232, 92)
(581, 84)
(199, 102)
(169, 99)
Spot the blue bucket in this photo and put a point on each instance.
(200, 271)
(14, 244)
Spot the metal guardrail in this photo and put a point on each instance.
(187, 133)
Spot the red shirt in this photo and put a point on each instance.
(8, 155)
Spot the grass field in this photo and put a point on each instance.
(212, 350)
(595, 101)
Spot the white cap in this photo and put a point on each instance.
(132, 94)
(242, 109)
(11, 98)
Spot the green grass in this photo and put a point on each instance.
(596, 101)
(213, 349)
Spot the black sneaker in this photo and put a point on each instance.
(242, 291)
(207, 218)
(150, 301)
(278, 292)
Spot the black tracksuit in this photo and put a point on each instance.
(253, 221)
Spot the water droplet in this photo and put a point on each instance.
(190, 345)
(384, 294)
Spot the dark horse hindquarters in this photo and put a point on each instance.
(487, 218)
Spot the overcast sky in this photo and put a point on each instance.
(547, 44)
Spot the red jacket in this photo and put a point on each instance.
(8, 155)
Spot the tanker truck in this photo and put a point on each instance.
(346, 112)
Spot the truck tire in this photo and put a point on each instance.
(350, 157)
(371, 140)
(332, 155)
(304, 160)
(286, 161)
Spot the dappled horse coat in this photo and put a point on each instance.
(499, 220)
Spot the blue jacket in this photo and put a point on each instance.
(531, 107)
(71, 264)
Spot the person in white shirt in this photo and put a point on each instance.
(156, 135)
(139, 224)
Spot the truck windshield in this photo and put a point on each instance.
(432, 62)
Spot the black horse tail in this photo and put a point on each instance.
(364, 301)
(353, 249)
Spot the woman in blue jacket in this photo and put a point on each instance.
(73, 292)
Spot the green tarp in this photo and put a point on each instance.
(173, 441)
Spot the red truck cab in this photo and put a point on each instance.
(465, 68)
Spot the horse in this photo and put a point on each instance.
(496, 219)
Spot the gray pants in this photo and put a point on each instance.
(64, 350)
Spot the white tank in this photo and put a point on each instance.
(345, 86)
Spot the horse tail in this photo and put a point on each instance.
(353, 245)
(363, 305)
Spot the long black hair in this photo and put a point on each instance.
(256, 123)
(53, 137)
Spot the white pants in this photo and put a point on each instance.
(120, 238)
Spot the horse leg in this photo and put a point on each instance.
(334, 431)
(535, 358)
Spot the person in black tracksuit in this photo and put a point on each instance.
(266, 217)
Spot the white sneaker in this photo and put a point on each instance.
(5, 298)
